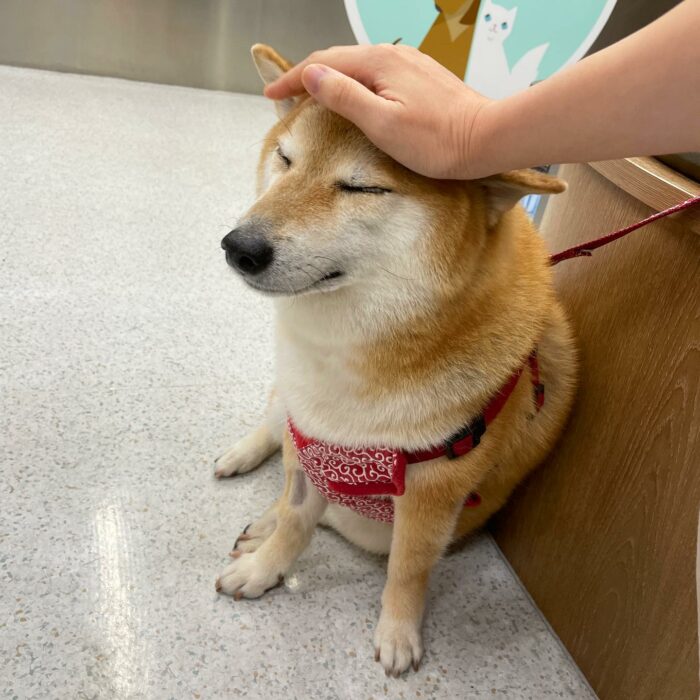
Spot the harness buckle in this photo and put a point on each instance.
(476, 429)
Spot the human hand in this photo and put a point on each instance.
(405, 102)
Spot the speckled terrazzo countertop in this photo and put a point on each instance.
(130, 358)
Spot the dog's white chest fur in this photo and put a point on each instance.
(321, 387)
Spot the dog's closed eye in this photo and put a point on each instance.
(287, 162)
(364, 189)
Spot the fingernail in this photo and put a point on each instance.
(312, 77)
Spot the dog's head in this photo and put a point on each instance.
(451, 7)
(334, 213)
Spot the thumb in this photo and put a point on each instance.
(343, 95)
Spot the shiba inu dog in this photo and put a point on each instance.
(424, 365)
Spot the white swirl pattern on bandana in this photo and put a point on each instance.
(323, 462)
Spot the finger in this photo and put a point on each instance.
(288, 85)
(351, 60)
(346, 96)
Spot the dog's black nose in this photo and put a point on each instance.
(247, 251)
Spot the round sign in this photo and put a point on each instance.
(496, 46)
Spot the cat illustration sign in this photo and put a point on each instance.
(498, 47)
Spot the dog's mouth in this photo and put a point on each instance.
(325, 283)
(331, 276)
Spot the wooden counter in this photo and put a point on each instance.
(604, 534)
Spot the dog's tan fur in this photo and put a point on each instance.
(403, 358)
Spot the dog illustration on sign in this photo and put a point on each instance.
(489, 71)
(449, 39)
(499, 47)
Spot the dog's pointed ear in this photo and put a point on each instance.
(271, 66)
(505, 190)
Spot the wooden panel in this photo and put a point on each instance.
(604, 534)
(653, 183)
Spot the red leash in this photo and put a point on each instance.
(586, 249)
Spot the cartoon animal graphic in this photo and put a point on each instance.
(449, 39)
(489, 72)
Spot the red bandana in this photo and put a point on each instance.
(365, 479)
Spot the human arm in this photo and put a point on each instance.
(639, 96)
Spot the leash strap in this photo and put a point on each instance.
(586, 249)
(469, 437)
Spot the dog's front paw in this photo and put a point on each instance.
(238, 460)
(397, 644)
(247, 454)
(248, 576)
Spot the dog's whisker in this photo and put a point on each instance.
(292, 294)
(320, 272)
(331, 260)
(307, 273)
(389, 272)
(286, 126)
(393, 274)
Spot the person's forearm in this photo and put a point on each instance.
(640, 96)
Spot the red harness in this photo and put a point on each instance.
(365, 479)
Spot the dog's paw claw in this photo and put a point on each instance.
(398, 645)
(253, 536)
(217, 585)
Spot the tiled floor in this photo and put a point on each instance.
(130, 356)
